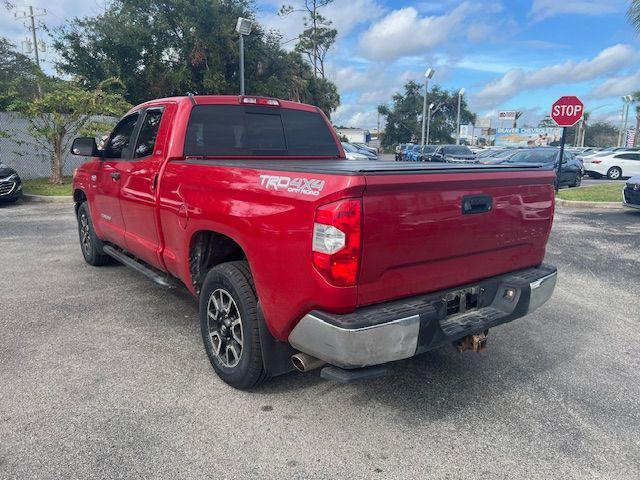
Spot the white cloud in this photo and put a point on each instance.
(403, 32)
(516, 80)
(542, 9)
(617, 86)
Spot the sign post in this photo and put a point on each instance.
(566, 112)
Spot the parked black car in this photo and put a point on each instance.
(631, 193)
(548, 156)
(454, 153)
(10, 184)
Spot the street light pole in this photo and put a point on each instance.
(427, 75)
(460, 94)
(429, 120)
(241, 64)
(623, 123)
(628, 101)
(243, 27)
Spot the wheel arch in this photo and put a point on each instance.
(208, 248)
(78, 198)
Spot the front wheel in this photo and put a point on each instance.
(90, 244)
(229, 325)
(614, 173)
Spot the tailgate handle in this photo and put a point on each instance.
(472, 204)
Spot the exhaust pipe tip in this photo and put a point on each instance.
(305, 363)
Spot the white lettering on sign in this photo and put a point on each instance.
(305, 186)
(567, 110)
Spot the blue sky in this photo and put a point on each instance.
(517, 54)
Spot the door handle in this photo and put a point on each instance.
(472, 204)
(115, 175)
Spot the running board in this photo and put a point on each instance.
(162, 280)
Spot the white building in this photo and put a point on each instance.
(355, 135)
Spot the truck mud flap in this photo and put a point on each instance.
(276, 355)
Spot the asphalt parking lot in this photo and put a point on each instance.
(103, 375)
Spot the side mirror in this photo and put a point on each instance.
(85, 147)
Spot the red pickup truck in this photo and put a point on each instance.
(300, 257)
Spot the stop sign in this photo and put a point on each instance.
(567, 111)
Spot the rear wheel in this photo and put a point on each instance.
(614, 173)
(577, 181)
(229, 325)
(90, 244)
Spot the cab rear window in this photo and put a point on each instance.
(230, 130)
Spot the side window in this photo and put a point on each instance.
(148, 133)
(636, 156)
(121, 136)
(625, 156)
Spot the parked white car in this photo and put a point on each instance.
(614, 165)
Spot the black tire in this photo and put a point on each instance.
(233, 279)
(577, 182)
(90, 244)
(614, 173)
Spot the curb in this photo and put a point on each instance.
(574, 203)
(47, 198)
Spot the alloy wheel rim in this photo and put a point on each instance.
(615, 174)
(224, 325)
(85, 237)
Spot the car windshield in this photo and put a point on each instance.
(428, 149)
(534, 156)
(457, 150)
(349, 148)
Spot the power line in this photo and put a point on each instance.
(30, 14)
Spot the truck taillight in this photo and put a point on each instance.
(337, 241)
(272, 102)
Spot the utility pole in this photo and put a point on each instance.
(30, 16)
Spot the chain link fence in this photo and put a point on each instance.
(18, 151)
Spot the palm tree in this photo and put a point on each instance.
(582, 126)
(515, 120)
(636, 98)
(633, 14)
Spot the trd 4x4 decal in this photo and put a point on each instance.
(305, 186)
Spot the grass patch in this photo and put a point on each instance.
(42, 186)
(607, 192)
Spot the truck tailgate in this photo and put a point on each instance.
(418, 239)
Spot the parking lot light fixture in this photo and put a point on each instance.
(243, 27)
(428, 75)
(460, 95)
(431, 106)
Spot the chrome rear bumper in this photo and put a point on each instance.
(401, 329)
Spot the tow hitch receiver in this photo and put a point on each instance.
(477, 342)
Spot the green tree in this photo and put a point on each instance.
(161, 48)
(19, 77)
(318, 37)
(601, 134)
(64, 109)
(404, 116)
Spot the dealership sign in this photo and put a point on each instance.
(507, 115)
(567, 111)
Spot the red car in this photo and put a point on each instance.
(295, 252)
